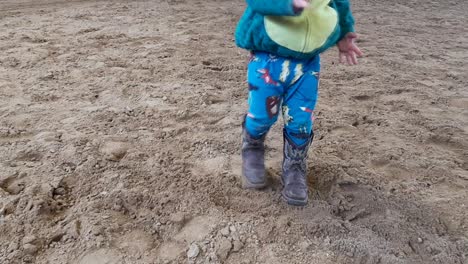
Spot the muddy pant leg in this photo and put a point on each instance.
(299, 103)
(265, 94)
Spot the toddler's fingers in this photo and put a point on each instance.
(353, 58)
(349, 59)
(342, 57)
(301, 4)
(357, 51)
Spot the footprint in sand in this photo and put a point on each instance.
(12, 184)
(136, 241)
(101, 256)
(213, 166)
(194, 230)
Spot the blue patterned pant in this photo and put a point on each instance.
(289, 85)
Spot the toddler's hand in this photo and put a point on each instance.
(348, 50)
(299, 5)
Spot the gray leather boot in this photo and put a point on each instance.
(294, 177)
(253, 161)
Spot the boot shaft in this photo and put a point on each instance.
(249, 142)
(253, 161)
(295, 156)
(294, 177)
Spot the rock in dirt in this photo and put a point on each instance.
(223, 248)
(225, 231)
(30, 249)
(59, 191)
(114, 151)
(15, 188)
(193, 251)
(29, 240)
(177, 218)
(237, 245)
(232, 229)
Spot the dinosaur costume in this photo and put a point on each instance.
(283, 76)
(274, 26)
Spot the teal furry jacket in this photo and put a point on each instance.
(273, 26)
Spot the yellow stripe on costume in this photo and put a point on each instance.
(297, 73)
(284, 71)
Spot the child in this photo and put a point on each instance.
(285, 38)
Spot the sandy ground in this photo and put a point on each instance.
(120, 134)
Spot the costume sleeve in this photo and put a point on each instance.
(345, 17)
(273, 7)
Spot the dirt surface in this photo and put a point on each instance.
(120, 135)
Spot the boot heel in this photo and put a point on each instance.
(249, 185)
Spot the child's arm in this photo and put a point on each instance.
(277, 7)
(348, 50)
(345, 17)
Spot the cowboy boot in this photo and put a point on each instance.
(253, 161)
(294, 177)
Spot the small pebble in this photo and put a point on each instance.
(15, 188)
(29, 240)
(178, 218)
(223, 249)
(114, 151)
(232, 229)
(236, 246)
(225, 231)
(193, 251)
(30, 249)
(60, 191)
